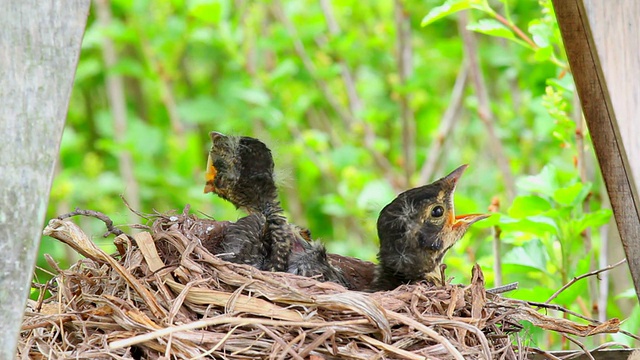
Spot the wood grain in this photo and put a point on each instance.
(599, 110)
(39, 49)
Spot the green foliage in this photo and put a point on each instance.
(329, 102)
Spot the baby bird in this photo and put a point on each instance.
(240, 169)
(416, 229)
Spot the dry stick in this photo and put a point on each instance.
(348, 119)
(450, 117)
(545, 354)
(392, 315)
(586, 318)
(391, 349)
(580, 345)
(116, 97)
(298, 340)
(497, 244)
(590, 273)
(279, 340)
(118, 344)
(484, 107)
(98, 215)
(70, 234)
(315, 343)
(405, 68)
(503, 289)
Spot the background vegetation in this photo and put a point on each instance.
(359, 100)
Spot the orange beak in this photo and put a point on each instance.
(467, 220)
(210, 176)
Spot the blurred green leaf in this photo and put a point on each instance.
(528, 205)
(448, 8)
(544, 183)
(493, 27)
(594, 219)
(532, 254)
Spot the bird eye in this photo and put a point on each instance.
(437, 211)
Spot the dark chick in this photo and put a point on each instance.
(416, 229)
(241, 170)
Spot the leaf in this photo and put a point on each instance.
(572, 195)
(545, 183)
(540, 33)
(528, 205)
(209, 11)
(532, 254)
(446, 9)
(538, 294)
(594, 219)
(491, 27)
(539, 225)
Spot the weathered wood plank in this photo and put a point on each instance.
(601, 117)
(615, 26)
(39, 49)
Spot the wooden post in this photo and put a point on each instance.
(601, 40)
(39, 49)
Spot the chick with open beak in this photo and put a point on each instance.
(240, 169)
(416, 229)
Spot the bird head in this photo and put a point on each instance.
(419, 226)
(240, 170)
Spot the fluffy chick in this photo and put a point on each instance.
(416, 229)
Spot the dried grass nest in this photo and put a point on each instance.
(164, 296)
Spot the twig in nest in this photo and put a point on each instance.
(111, 229)
(575, 279)
(565, 310)
(503, 288)
(580, 345)
(144, 216)
(442, 269)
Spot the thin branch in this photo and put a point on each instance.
(497, 244)
(405, 68)
(503, 289)
(575, 279)
(484, 106)
(516, 30)
(580, 316)
(111, 229)
(580, 345)
(449, 119)
(116, 98)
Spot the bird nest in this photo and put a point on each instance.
(164, 295)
